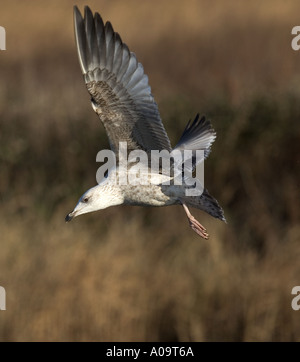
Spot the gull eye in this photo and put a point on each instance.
(85, 200)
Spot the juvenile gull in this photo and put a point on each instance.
(122, 98)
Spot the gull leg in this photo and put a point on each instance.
(195, 224)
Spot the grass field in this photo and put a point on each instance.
(141, 274)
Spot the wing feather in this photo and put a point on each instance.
(121, 95)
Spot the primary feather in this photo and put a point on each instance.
(121, 95)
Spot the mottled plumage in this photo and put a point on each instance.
(121, 96)
(118, 86)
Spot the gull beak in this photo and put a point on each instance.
(69, 217)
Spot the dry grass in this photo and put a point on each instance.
(137, 274)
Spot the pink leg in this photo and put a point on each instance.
(194, 224)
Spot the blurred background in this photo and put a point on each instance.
(141, 274)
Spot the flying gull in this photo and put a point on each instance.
(121, 97)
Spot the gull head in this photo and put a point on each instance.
(97, 198)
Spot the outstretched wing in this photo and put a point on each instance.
(119, 89)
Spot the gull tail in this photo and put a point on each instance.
(206, 203)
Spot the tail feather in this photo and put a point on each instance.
(206, 203)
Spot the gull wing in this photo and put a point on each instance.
(198, 135)
(119, 89)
